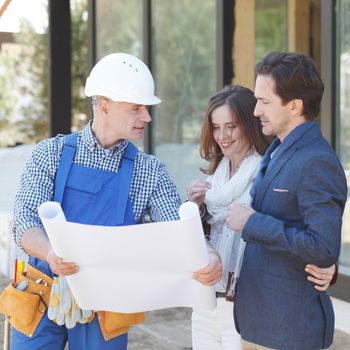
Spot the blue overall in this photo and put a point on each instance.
(87, 196)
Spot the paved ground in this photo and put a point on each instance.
(171, 330)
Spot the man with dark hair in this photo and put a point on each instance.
(296, 215)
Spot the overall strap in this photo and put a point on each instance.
(65, 165)
(126, 169)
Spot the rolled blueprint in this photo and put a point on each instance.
(136, 267)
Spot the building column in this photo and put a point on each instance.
(59, 67)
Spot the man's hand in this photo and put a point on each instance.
(36, 243)
(321, 277)
(60, 267)
(238, 215)
(212, 273)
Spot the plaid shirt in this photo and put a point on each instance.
(152, 191)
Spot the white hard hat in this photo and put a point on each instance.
(122, 78)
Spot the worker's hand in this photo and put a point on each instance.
(196, 191)
(212, 273)
(321, 277)
(60, 267)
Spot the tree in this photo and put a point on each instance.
(271, 27)
(30, 67)
(185, 61)
(80, 67)
(7, 100)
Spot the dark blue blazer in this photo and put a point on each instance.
(299, 205)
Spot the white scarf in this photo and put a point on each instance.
(224, 191)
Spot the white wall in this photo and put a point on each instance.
(12, 161)
(7, 246)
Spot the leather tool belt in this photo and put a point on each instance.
(26, 307)
(25, 301)
(113, 324)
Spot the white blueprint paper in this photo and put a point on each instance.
(133, 268)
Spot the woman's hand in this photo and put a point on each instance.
(196, 191)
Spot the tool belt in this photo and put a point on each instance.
(26, 308)
(113, 324)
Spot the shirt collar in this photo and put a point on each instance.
(90, 141)
(297, 132)
(293, 137)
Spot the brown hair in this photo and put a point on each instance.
(241, 102)
(295, 77)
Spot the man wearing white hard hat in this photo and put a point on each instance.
(100, 178)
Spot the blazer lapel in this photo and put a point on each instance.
(273, 170)
(284, 152)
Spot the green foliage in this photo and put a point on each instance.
(119, 27)
(343, 64)
(271, 27)
(185, 59)
(32, 67)
(23, 105)
(184, 54)
(7, 99)
(343, 8)
(80, 66)
(24, 81)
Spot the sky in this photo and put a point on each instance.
(33, 10)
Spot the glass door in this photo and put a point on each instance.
(343, 117)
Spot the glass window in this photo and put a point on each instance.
(23, 73)
(184, 65)
(118, 27)
(271, 27)
(80, 67)
(343, 117)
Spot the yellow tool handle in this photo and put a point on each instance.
(19, 269)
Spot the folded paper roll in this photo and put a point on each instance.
(133, 268)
